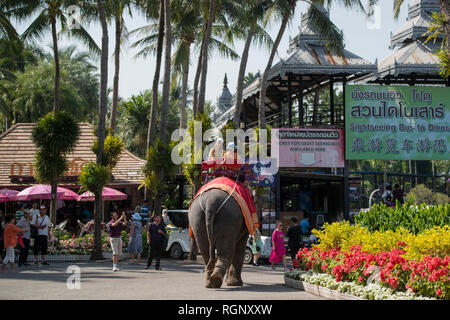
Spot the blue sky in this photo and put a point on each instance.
(137, 74)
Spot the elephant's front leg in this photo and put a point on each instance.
(234, 272)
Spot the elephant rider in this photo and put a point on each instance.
(231, 156)
(216, 151)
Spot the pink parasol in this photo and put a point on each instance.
(107, 194)
(8, 195)
(39, 191)
(68, 194)
(11, 195)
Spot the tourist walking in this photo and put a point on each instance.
(155, 234)
(256, 245)
(10, 239)
(24, 223)
(135, 239)
(294, 233)
(42, 224)
(278, 253)
(115, 238)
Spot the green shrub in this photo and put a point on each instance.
(409, 216)
(422, 194)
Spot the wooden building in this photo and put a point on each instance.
(17, 153)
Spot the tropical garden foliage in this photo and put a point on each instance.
(404, 250)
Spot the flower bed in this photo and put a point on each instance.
(349, 290)
(64, 243)
(429, 277)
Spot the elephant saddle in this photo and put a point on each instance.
(242, 196)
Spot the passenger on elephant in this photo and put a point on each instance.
(231, 156)
(215, 154)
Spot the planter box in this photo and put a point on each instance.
(319, 290)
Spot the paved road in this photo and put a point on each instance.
(179, 279)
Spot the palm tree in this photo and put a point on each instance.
(167, 71)
(204, 54)
(226, 8)
(187, 28)
(150, 11)
(117, 8)
(97, 252)
(247, 23)
(318, 21)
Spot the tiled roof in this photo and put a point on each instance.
(414, 57)
(16, 146)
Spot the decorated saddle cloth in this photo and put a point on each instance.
(242, 196)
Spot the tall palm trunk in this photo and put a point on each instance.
(240, 82)
(112, 120)
(56, 108)
(263, 85)
(184, 88)
(154, 106)
(201, 94)
(166, 90)
(98, 214)
(56, 99)
(197, 79)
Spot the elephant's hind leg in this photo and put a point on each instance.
(198, 226)
(224, 258)
(234, 272)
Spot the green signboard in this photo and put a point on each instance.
(397, 122)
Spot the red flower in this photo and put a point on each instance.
(360, 279)
(438, 292)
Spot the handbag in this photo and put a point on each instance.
(20, 241)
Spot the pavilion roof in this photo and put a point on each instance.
(16, 146)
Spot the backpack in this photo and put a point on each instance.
(389, 197)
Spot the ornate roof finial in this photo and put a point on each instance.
(225, 81)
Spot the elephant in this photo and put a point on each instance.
(217, 223)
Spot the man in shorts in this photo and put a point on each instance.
(42, 224)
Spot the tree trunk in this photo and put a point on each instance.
(201, 94)
(56, 98)
(97, 252)
(240, 82)
(154, 106)
(263, 84)
(112, 121)
(56, 107)
(165, 92)
(196, 81)
(54, 190)
(167, 71)
(184, 90)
